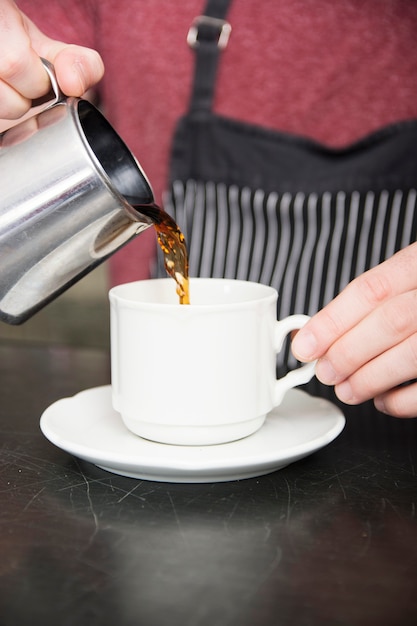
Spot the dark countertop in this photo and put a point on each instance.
(329, 540)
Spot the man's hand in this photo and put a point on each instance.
(22, 75)
(366, 338)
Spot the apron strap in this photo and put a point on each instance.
(208, 36)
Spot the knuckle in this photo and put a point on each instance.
(332, 321)
(375, 287)
(400, 317)
(335, 324)
(12, 64)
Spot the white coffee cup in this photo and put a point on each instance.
(203, 373)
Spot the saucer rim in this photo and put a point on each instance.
(252, 463)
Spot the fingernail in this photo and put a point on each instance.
(304, 345)
(325, 372)
(344, 392)
(380, 405)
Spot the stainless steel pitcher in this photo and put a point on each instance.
(65, 175)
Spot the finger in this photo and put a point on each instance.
(20, 66)
(22, 75)
(399, 402)
(12, 104)
(390, 369)
(77, 69)
(386, 326)
(396, 275)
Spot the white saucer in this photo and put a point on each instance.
(87, 426)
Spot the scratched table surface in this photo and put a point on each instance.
(331, 539)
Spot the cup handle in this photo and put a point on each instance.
(298, 376)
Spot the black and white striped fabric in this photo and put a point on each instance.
(269, 207)
(307, 246)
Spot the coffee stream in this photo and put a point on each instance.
(172, 243)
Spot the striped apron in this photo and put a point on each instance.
(260, 205)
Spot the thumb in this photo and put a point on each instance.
(23, 77)
(77, 68)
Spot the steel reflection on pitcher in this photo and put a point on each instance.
(65, 175)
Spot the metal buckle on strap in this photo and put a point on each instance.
(209, 29)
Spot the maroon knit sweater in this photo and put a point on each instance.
(333, 71)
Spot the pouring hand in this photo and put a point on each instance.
(366, 338)
(22, 75)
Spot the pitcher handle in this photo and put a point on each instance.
(55, 95)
